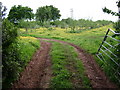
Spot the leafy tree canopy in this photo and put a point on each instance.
(2, 11)
(106, 10)
(47, 13)
(19, 12)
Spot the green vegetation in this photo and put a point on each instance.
(9, 55)
(15, 62)
(67, 67)
(14, 48)
(89, 40)
(16, 52)
(47, 13)
(117, 24)
(2, 14)
(87, 34)
(77, 25)
(19, 12)
(106, 10)
(27, 47)
(61, 78)
(117, 50)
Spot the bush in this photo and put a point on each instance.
(9, 33)
(9, 51)
(117, 26)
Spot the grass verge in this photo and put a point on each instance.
(68, 70)
(26, 47)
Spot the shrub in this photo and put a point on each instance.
(9, 51)
(14, 56)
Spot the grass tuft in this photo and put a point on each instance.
(65, 63)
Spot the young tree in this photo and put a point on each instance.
(47, 13)
(106, 10)
(24, 24)
(19, 12)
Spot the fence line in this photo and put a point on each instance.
(109, 52)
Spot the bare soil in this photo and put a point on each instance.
(38, 72)
(94, 72)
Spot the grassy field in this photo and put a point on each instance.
(89, 40)
(86, 39)
(62, 57)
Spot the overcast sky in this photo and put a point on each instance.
(86, 9)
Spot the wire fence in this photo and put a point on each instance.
(108, 53)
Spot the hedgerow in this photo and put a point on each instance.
(17, 51)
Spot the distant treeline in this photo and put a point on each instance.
(82, 23)
(65, 23)
(48, 16)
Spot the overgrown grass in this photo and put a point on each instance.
(89, 40)
(61, 78)
(26, 47)
(66, 66)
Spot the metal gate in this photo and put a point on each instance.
(108, 53)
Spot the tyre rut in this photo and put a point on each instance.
(94, 72)
(38, 72)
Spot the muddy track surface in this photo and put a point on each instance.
(94, 72)
(38, 72)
